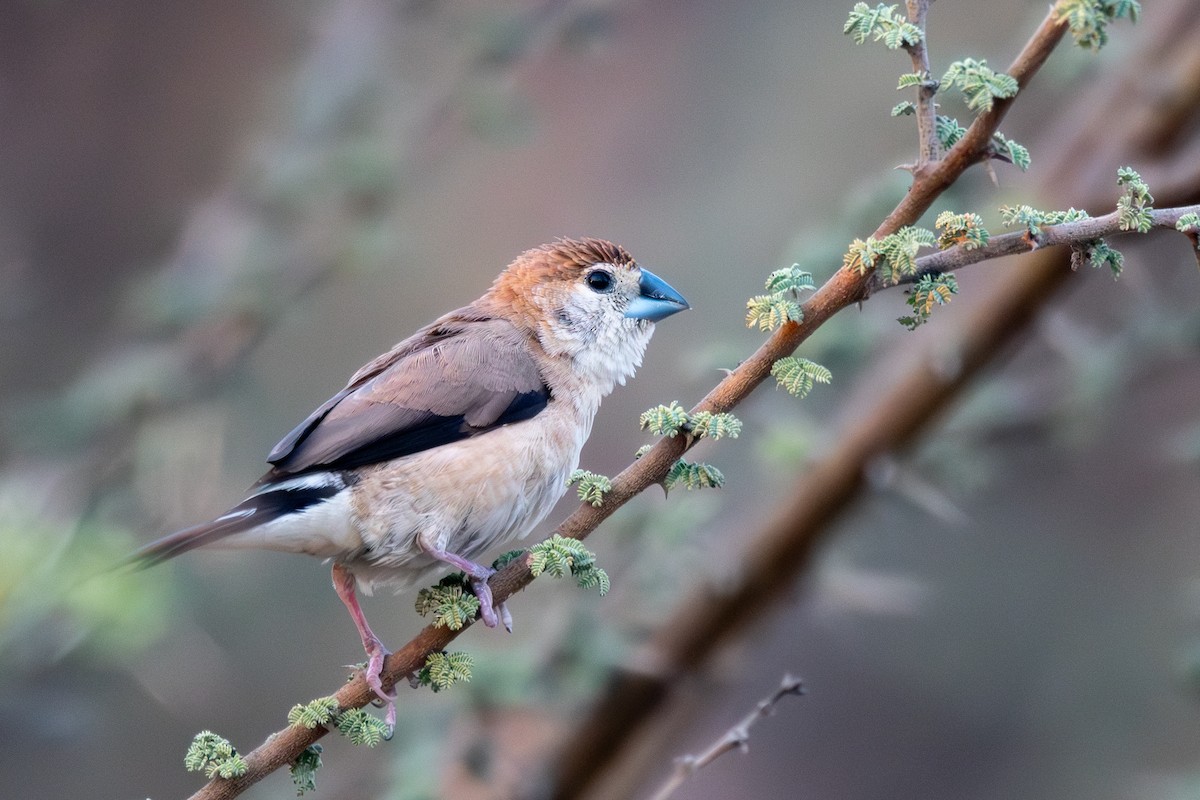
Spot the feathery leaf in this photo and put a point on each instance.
(1089, 19)
(769, 311)
(790, 279)
(450, 601)
(799, 375)
(979, 84)
(948, 131)
(316, 712)
(664, 420)
(1097, 253)
(715, 426)
(927, 293)
(361, 728)
(215, 756)
(1033, 220)
(304, 769)
(693, 476)
(1010, 150)
(1135, 205)
(962, 230)
(882, 23)
(592, 487)
(900, 249)
(560, 555)
(443, 670)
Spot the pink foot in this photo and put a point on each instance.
(344, 584)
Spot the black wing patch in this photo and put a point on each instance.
(402, 432)
(447, 383)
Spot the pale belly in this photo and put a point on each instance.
(469, 498)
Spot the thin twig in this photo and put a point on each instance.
(929, 147)
(843, 289)
(736, 738)
(1066, 233)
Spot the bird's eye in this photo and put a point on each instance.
(599, 280)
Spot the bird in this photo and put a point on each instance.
(458, 439)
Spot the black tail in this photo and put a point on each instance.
(258, 509)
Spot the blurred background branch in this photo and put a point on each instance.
(736, 738)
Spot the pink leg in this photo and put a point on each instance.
(479, 575)
(343, 584)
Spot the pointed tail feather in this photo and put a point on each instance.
(236, 521)
(269, 503)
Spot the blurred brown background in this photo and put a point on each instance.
(211, 214)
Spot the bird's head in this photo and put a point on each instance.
(588, 300)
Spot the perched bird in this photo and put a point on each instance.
(458, 439)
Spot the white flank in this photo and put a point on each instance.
(323, 530)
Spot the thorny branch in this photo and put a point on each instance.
(602, 755)
(842, 290)
(974, 146)
(736, 738)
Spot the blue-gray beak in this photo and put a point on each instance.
(656, 301)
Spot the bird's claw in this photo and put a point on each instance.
(388, 703)
(490, 612)
(487, 607)
(372, 672)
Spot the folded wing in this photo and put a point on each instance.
(457, 378)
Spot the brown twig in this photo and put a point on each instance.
(842, 290)
(736, 738)
(975, 145)
(929, 147)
